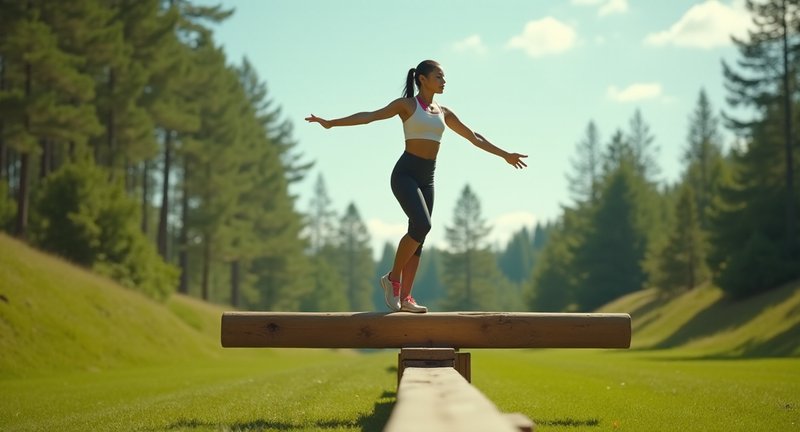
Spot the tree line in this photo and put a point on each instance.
(131, 145)
(731, 218)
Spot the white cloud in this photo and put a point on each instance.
(612, 7)
(544, 37)
(607, 7)
(472, 44)
(505, 225)
(634, 92)
(382, 231)
(706, 25)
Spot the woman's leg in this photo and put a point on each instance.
(415, 205)
(405, 250)
(410, 269)
(409, 272)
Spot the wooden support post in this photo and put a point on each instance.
(431, 330)
(425, 357)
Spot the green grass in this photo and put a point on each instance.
(323, 390)
(642, 391)
(704, 323)
(79, 353)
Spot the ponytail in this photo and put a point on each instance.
(410, 78)
(413, 75)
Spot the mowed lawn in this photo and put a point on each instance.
(80, 353)
(562, 390)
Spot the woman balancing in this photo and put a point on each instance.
(412, 177)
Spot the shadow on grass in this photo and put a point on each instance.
(567, 422)
(375, 421)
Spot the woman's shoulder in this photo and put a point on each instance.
(408, 104)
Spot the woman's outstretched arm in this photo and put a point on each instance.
(452, 121)
(394, 108)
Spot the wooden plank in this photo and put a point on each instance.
(439, 399)
(441, 329)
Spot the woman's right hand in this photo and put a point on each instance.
(314, 119)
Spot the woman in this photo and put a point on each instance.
(412, 178)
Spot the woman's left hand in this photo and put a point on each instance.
(515, 159)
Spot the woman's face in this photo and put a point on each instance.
(434, 81)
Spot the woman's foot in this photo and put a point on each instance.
(410, 305)
(391, 292)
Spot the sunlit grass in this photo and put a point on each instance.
(325, 390)
(79, 353)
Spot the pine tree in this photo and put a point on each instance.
(321, 217)
(470, 270)
(617, 151)
(703, 157)
(683, 259)
(756, 244)
(584, 183)
(555, 279)
(516, 261)
(644, 153)
(268, 231)
(770, 85)
(329, 290)
(46, 98)
(609, 258)
(355, 259)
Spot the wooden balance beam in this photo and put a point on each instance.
(434, 393)
(430, 330)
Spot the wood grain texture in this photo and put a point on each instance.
(439, 399)
(442, 329)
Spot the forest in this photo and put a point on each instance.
(130, 144)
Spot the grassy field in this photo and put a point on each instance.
(79, 353)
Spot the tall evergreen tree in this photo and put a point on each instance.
(609, 259)
(617, 151)
(268, 233)
(555, 278)
(355, 259)
(470, 270)
(46, 97)
(756, 244)
(683, 259)
(321, 217)
(644, 152)
(329, 289)
(584, 183)
(516, 261)
(703, 156)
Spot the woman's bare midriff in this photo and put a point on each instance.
(426, 149)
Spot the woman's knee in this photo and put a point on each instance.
(418, 230)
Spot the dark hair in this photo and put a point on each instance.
(424, 68)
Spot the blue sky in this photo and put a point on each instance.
(528, 75)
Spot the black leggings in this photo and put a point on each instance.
(412, 185)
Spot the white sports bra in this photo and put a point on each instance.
(424, 125)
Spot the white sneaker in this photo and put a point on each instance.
(410, 305)
(391, 292)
